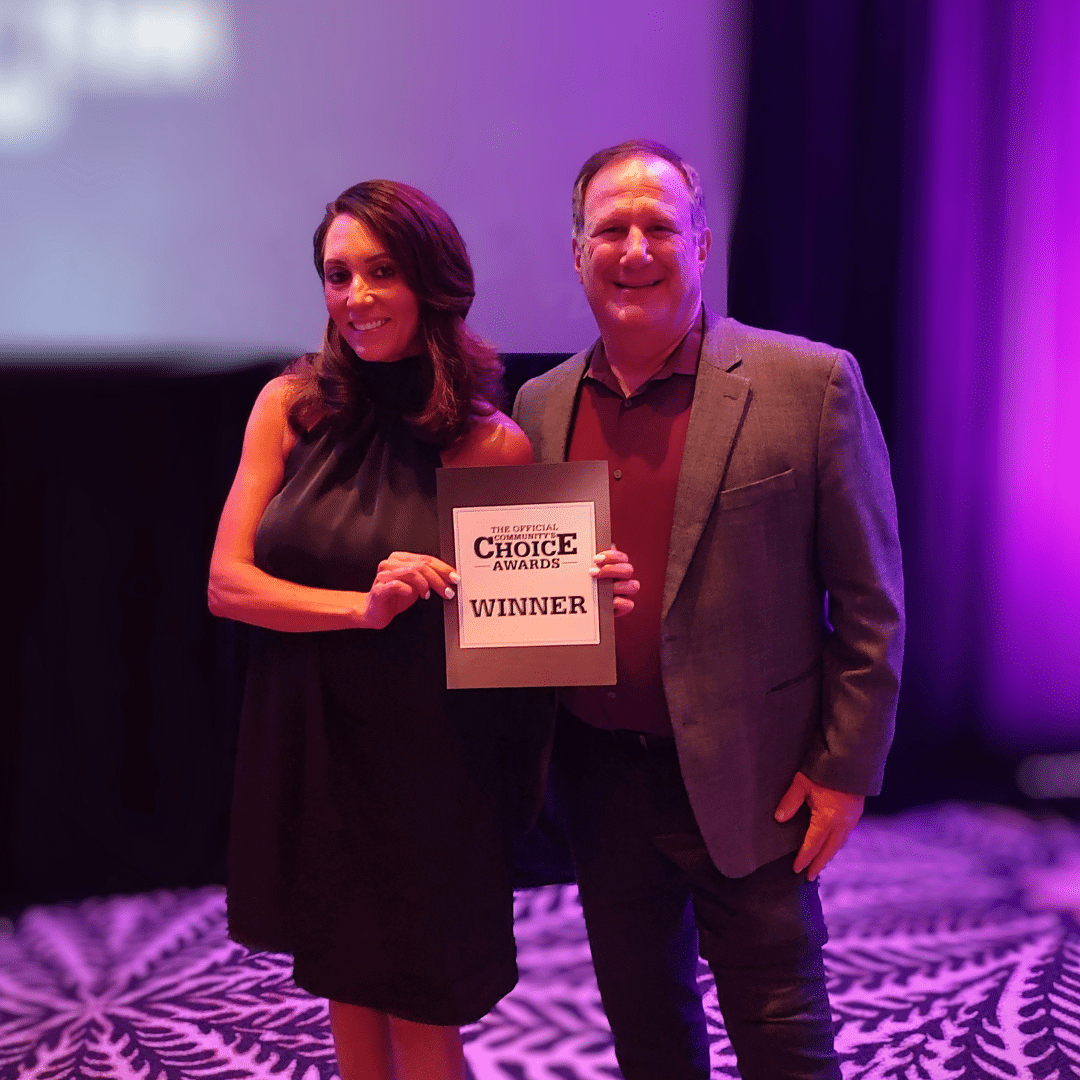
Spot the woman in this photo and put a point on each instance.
(372, 807)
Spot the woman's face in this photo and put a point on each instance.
(366, 295)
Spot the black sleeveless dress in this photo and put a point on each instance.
(373, 808)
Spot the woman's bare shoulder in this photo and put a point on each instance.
(490, 440)
(270, 413)
(280, 390)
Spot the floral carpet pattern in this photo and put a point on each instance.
(955, 953)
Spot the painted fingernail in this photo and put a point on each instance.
(449, 594)
(598, 558)
(594, 571)
(427, 595)
(455, 577)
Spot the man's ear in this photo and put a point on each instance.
(703, 244)
(577, 253)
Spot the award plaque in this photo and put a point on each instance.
(527, 612)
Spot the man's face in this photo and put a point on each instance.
(638, 258)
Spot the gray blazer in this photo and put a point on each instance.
(782, 621)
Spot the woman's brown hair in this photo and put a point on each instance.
(465, 373)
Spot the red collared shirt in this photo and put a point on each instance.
(642, 439)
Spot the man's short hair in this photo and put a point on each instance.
(639, 148)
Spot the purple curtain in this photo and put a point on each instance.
(989, 444)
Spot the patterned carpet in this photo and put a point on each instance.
(955, 953)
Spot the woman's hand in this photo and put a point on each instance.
(614, 565)
(403, 578)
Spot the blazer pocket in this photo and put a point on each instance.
(733, 498)
(809, 673)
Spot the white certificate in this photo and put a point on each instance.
(525, 575)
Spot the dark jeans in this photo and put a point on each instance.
(649, 891)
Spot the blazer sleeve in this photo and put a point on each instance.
(858, 554)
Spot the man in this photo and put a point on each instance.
(758, 673)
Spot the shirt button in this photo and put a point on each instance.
(611, 695)
(617, 474)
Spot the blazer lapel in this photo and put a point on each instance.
(720, 401)
(559, 408)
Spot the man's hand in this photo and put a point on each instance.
(833, 814)
(613, 564)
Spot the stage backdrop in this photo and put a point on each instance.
(912, 192)
(163, 163)
(992, 372)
